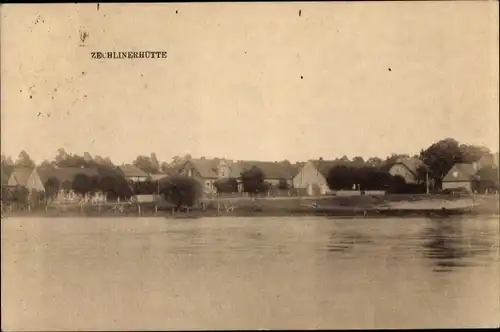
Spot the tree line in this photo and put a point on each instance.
(370, 174)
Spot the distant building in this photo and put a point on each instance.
(461, 176)
(208, 171)
(313, 177)
(40, 178)
(489, 161)
(19, 177)
(408, 169)
(274, 172)
(133, 173)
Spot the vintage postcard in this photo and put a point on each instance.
(214, 166)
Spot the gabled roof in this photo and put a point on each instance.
(272, 170)
(324, 166)
(21, 175)
(173, 171)
(206, 168)
(6, 171)
(412, 164)
(64, 174)
(132, 171)
(461, 172)
(489, 161)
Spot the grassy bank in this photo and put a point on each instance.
(397, 205)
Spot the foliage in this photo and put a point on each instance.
(343, 177)
(147, 164)
(226, 186)
(115, 186)
(18, 194)
(253, 181)
(181, 191)
(52, 187)
(144, 187)
(67, 185)
(24, 160)
(488, 178)
(83, 184)
(283, 185)
(442, 155)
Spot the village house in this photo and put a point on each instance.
(461, 176)
(208, 171)
(490, 160)
(6, 171)
(19, 177)
(313, 177)
(274, 172)
(42, 178)
(408, 169)
(133, 173)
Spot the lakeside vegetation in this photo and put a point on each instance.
(181, 192)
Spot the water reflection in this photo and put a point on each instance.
(449, 247)
(342, 242)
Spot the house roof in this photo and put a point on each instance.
(6, 171)
(324, 166)
(158, 176)
(489, 160)
(461, 172)
(132, 171)
(21, 175)
(412, 164)
(206, 168)
(173, 171)
(272, 170)
(64, 174)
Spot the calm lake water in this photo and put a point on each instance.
(249, 273)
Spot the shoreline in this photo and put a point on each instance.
(397, 206)
(197, 214)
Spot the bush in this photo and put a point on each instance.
(226, 186)
(253, 181)
(181, 191)
(283, 185)
(52, 187)
(115, 187)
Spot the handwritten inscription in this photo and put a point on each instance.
(129, 55)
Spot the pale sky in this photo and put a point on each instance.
(231, 85)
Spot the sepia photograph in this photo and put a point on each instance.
(249, 166)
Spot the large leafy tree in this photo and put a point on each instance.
(24, 160)
(441, 156)
(146, 164)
